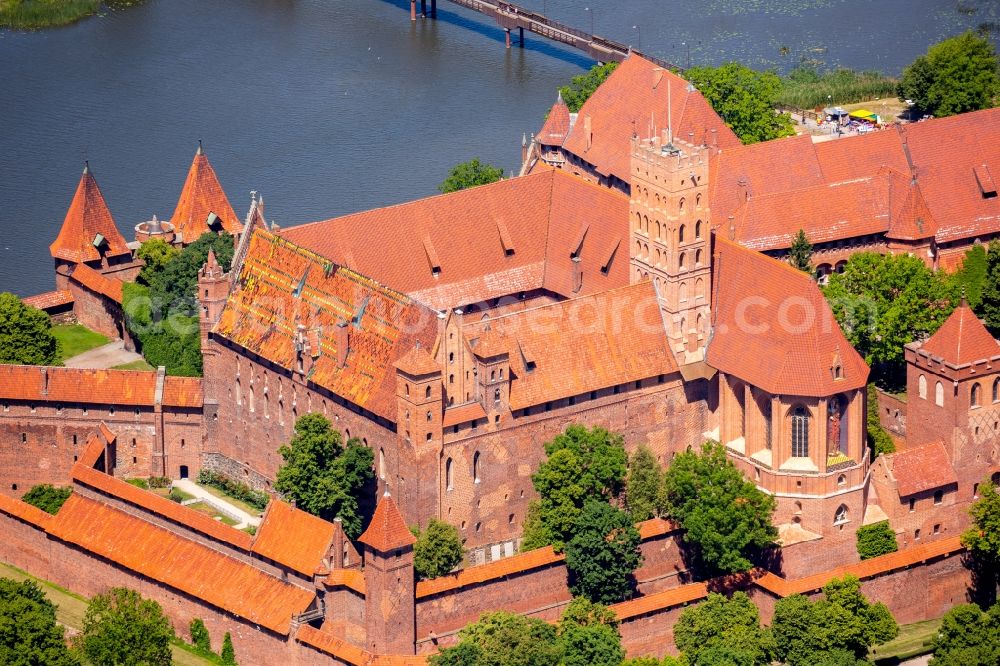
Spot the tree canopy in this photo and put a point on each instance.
(581, 87)
(879, 439)
(726, 519)
(883, 302)
(745, 100)
(970, 279)
(642, 487)
(603, 553)
(470, 174)
(25, 334)
(121, 628)
(800, 254)
(876, 539)
(29, 634)
(438, 549)
(582, 463)
(723, 631)
(588, 635)
(838, 629)
(956, 75)
(47, 497)
(968, 637)
(323, 476)
(988, 306)
(983, 537)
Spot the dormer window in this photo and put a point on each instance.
(838, 371)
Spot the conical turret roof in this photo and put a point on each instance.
(962, 339)
(201, 196)
(388, 530)
(88, 225)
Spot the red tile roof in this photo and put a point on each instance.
(463, 414)
(350, 578)
(556, 126)
(87, 217)
(650, 603)
(102, 387)
(293, 538)
(962, 339)
(96, 282)
(351, 654)
(26, 512)
(418, 362)
(922, 468)
(182, 392)
(201, 195)
(533, 559)
(487, 242)
(773, 328)
(282, 285)
(50, 299)
(387, 530)
(185, 565)
(581, 345)
(634, 100)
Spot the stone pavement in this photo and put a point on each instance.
(105, 356)
(217, 503)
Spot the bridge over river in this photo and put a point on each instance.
(514, 17)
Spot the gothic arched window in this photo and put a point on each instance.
(922, 387)
(475, 467)
(939, 394)
(840, 517)
(448, 480)
(975, 396)
(800, 432)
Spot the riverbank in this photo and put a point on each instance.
(38, 14)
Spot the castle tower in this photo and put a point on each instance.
(390, 608)
(670, 245)
(492, 375)
(202, 206)
(213, 289)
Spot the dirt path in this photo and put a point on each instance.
(105, 356)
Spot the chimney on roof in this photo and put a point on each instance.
(732, 228)
(588, 131)
(45, 371)
(342, 339)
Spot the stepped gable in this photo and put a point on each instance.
(87, 219)
(632, 100)
(188, 566)
(387, 530)
(282, 285)
(920, 469)
(293, 538)
(580, 345)
(962, 339)
(202, 195)
(772, 327)
(481, 243)
(556, 127)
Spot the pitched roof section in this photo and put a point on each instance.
(556, 126)
(418, 362)
(182, 564)
(584, 344)
(87, 218)
(202, 196)
(105, 387)
(293, 538)
(50, 299)
(282, 285)
(96, 282)
(182, 392)
(481, 243)
(634, 100)
(922, 468)
(388, 530)
(962, 339)
(773, 328)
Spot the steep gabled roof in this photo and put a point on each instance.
(773, 328)
(388, 530)
(962, 339)
(418, 362)
(201, 196)
(96, 282)
(87, 219)
(922, 468)
(293, 538)
(632, 100)
(556, 127)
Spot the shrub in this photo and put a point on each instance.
(258, 499)
(438, 549)
(47, 497)
(199, 636)
(138, 483)
(876, 539)
(228, 654)
(159, 482)
(176, 496)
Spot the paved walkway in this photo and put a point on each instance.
(219, 504)
(105, 356)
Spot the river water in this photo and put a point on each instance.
(332, 106)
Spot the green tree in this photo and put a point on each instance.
(800, 254)
(970, 279)
(724, 631)
(156, 253)
(227, 654)
(47, 497)
(29, 633)
(581, 87)
(25, 334)
(653, 661)
(876, 539)
(120, 628)
(879, 439)
(582, 463)
(726, 519)
(956, 75)
(503, 639)
(536, 533)
(322, 476)
(199, 636)
(588, 635)
(983, 540)
(745, 100)
(642, 487)
(438, 549)
(470, 174)
(883, 302)
(603, 553)
(989, 305)
(842, 624)
(968, 637)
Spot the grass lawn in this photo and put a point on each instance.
(35, 14)
(75, 339)
(134, 365)
(914, 639)
(252, 510)
(71, 607)
(202, 507)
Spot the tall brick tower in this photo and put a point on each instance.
(390, 608)
(670, 236)
(213, 288)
